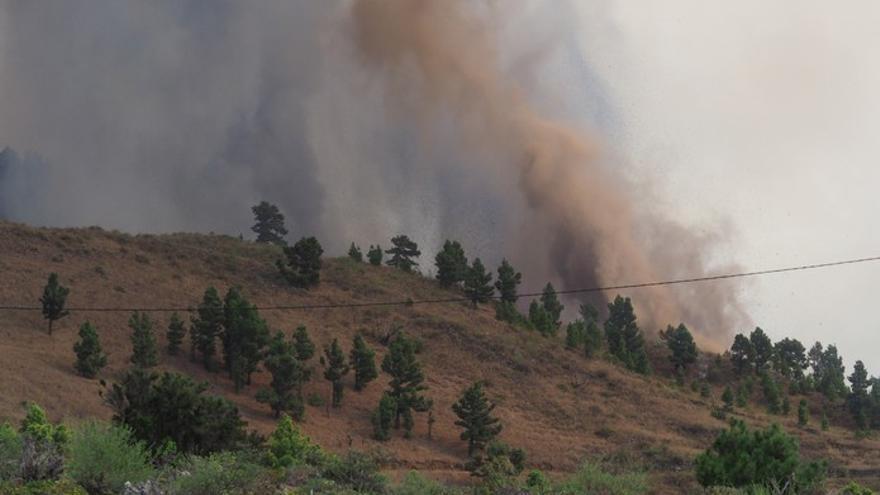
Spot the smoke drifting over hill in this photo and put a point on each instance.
(359, 119)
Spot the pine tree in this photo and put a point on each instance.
(507, 283)
(363, 360)
(828, 372)
(474, 413)
(403, 253)
(452, 265)
(592, 334)
(244, 338)
(174, 335)
(786, 405)
(53, 300)
(552, 305)
(824, 422)
(858, 400)
(625, 339)
(207, 327)
(803, 413)
(681, 346)
(789, 358)
(302, 266)
(742, 354)
(303, 344)
(478, 284)
(374, 255)
(771, 394)
(540, 319)
(143, 342)
(383, 417)
(406, 385)
(574, 334)
(269, 225)
(90, 358)
(336, 369)
(763, 349)
(727, 398)
(354, 252)
(288, 375)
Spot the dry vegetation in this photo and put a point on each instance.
(556, 404)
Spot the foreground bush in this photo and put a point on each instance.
(224, 473)
(592, 479)
(10, 452)
(769, 458)
(102, 457)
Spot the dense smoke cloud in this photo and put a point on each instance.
(360, 120)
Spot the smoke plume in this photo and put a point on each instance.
(441, 50)
(360, 119)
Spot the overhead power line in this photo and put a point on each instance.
(449, 300)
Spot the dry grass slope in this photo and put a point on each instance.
(559, 406)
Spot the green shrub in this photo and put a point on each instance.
(416, 484)
(10, 452)
(102, 457)
(316, 400)
(37, 426)
(222, 473)
(537, 483)
(854, 488)
(287, 446)
(742, 458)
(593, 479)
(357, 471)
(60, 487)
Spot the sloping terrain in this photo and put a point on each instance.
(559, 406)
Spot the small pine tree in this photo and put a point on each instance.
(786, 406)
(407, 381)
(451, 263)
(683, 350)
(374, 255)
(474, 413)
(383, 417)
(90, 358)
(742, 354)
(143, 342)
(207, 326)
(174, 335)
(269, 225)
(403, 254)
(552, 305)
(508, 280)
(574, 334)
(771, 394)
(245, 335)
(742, 396)
(302, 267)
(803, 413)
(477, 284)
(336, 369)
(354, 252)
(541, 320)
(53, 300)
(363, 360)
(727, 398)
(824, 421)
(303, 344)
(288, 374)
(592, 333)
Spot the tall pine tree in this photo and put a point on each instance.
(53, 300)
(143, 342)
(452, 265)
(552, 305)
(363, 360)
(407, 381)
(335, 370)
(478, 284)
(90, 358)
(403, 253)
(474, 413)
(244, 338)
(207, 326)
(175, 333)
(269, 224)
(284, 393)
(507, 283)
(302, 265)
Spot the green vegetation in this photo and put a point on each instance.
(355, 254)
(335, 370)
(374, 255)
(175, 334)
(478, 284)
(474, 413)
(302, 265)
(102, 458)
(769, 458)
(452, 265)
(403, 253)
(54, 300)
(363, 359)
(90, 358)
(269, 224)
(143, 342)
(407, 381)
(625, 340)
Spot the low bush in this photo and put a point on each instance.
(591, 478)
(357, 471)
(102, 457)
(10, 452)
(224, 473)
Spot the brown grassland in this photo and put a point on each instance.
(559, 406)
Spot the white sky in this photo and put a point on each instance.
(765, 115)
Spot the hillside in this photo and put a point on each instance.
(559, 406)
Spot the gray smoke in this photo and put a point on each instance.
(181, 114)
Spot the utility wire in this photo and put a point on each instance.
(411, 302)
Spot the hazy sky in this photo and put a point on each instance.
(755, 122)
(765, 115)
